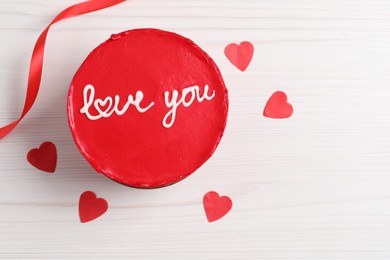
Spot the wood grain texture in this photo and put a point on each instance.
(315, 186)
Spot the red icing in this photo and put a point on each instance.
(136, 149)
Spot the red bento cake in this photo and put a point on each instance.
(147, 108)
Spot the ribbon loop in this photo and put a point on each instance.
(36, 63)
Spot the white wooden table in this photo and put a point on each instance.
(315, 186)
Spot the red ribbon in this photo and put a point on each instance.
(35, 73)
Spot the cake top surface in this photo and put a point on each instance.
(147, 108)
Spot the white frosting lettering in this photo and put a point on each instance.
(174, 102)
(112, 106)
(108, 106)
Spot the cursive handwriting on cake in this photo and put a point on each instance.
(192, 92)
(108, 106)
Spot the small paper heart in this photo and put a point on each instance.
(216, 206)
(240, 55)
(43, 158)
(91, 207)
(277, 106)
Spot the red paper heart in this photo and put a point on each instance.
(240, 55)
(216, 206)
(91, 207)
(43, 158)
(277, 106)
